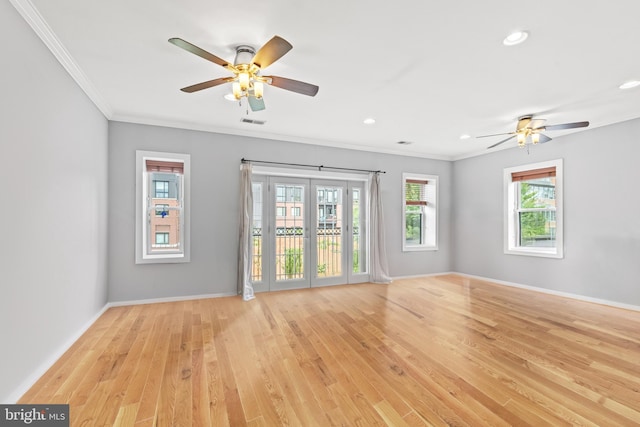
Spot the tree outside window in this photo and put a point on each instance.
(537, 215)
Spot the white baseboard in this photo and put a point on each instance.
(417, 276)
(169, 299)
(553, 292)
(52, 359)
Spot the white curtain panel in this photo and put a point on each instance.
(379, 264)
(246, 225)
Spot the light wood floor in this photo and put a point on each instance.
(443, 350)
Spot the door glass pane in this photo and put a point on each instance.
(257, 236)
(329, 231)
(359, 255)
(290, 229)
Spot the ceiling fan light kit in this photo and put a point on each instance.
(247, 81)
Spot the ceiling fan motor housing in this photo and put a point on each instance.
(244, 55)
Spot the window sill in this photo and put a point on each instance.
(419, 248)
(163, 259)
(537, 252)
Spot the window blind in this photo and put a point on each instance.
(162, 166)
(533, 174)
(415, 191)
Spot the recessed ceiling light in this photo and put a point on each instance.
(369, 121)
(465, 136)
(630, 84)
(515, 38)
(230, 97)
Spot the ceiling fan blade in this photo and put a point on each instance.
(543, 139)
(293, 85)
(536, 123)
(567, 126)
(198, 51)
(273, 50)
(496, 134)
(501, 142)
(255, 103)
(207, 84)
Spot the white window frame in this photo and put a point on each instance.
(143, 192)
(511, 209)
(430, 214)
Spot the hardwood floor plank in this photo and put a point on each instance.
(231, 396)
(443, 350)
(167, 397)
(126, 415)
(147, 382)
(390, 417)
(183, 415)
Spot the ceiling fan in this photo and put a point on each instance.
(529, 131)
(247, 80)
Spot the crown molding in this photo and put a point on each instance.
(46, 34)
(178, 124)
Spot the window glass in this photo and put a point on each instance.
(536, 213)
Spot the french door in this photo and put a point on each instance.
(308, 232)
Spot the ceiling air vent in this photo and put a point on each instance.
(252, 121)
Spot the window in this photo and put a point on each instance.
(533, 209)
(419, 213)
(162, 238)
(162, 210)
(161, 189)
(162, 207)
(295, 211)
(281, 211)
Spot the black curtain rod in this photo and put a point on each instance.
(319, 167)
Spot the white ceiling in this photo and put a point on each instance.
(427, 71)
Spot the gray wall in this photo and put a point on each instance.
(53, 146)
(601, 216)
(215, 162)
